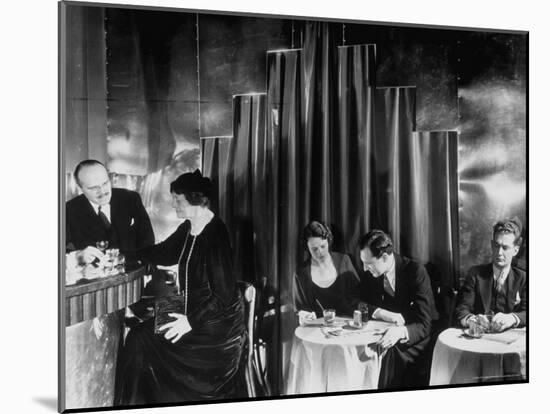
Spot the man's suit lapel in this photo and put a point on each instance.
(90, 216)
(486, 287)
(513, 281)
(118, 219)
(400, 279)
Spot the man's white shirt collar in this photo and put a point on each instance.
(390, 275)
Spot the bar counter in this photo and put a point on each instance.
(94, 328)
(90, 298)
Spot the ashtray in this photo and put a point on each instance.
(352, 325)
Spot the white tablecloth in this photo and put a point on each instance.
(324, 363)
(458, 359)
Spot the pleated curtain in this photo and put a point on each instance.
(326, 143)
(395, 122)
(353, 150)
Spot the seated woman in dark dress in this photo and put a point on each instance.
(327, 279)
(196, 354)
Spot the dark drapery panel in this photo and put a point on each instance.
(215, 155)
(284, 133)
(248, 129)
(432, 219)
(352, 152)
(319, 104)
(395, 123)
(290, 151)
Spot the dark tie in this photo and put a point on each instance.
(104, 219)
(387, 286)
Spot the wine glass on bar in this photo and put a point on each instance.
(102, 245)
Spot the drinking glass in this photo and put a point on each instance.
(102, 245)
(364, 312)
(120, 262)
(329, 316)
(474, 329)
(490, 315)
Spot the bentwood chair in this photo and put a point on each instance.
(249, 294)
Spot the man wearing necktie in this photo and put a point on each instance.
(105, 213)
(496, 288)
(397, 290)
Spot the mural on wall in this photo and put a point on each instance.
(493, 144)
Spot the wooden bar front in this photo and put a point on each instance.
(94, 324)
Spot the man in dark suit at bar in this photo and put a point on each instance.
(397, 290)
(105, 213)
(497, 287)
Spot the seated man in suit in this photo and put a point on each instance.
(497, 287)
(105, 213)
(397, 290)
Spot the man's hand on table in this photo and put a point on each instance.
(387, 316)
(88, 255)
(503, 321)
(392, 335)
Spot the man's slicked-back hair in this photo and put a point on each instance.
(378, 243)
(509, 226)
(85, 163)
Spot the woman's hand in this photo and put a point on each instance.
(177, 328)
(304, 316)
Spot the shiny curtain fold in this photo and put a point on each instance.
(433, 185)
(352, 151)
(284, 136)
(245, 204)
(215, 158)
(319, 104)
(395, 123)
(326, 143)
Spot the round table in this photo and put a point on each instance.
(459, 359)
(321, 362)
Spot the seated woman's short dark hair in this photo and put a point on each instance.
(194, 187)
(378, 243)
(316, 229)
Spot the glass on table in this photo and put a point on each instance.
(329, 315)
(489, 316)
(485, 321)
(475, 330)
(363, 307)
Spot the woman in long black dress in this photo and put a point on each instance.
(327, 279)
(196, 356)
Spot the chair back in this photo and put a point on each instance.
(249, 294)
